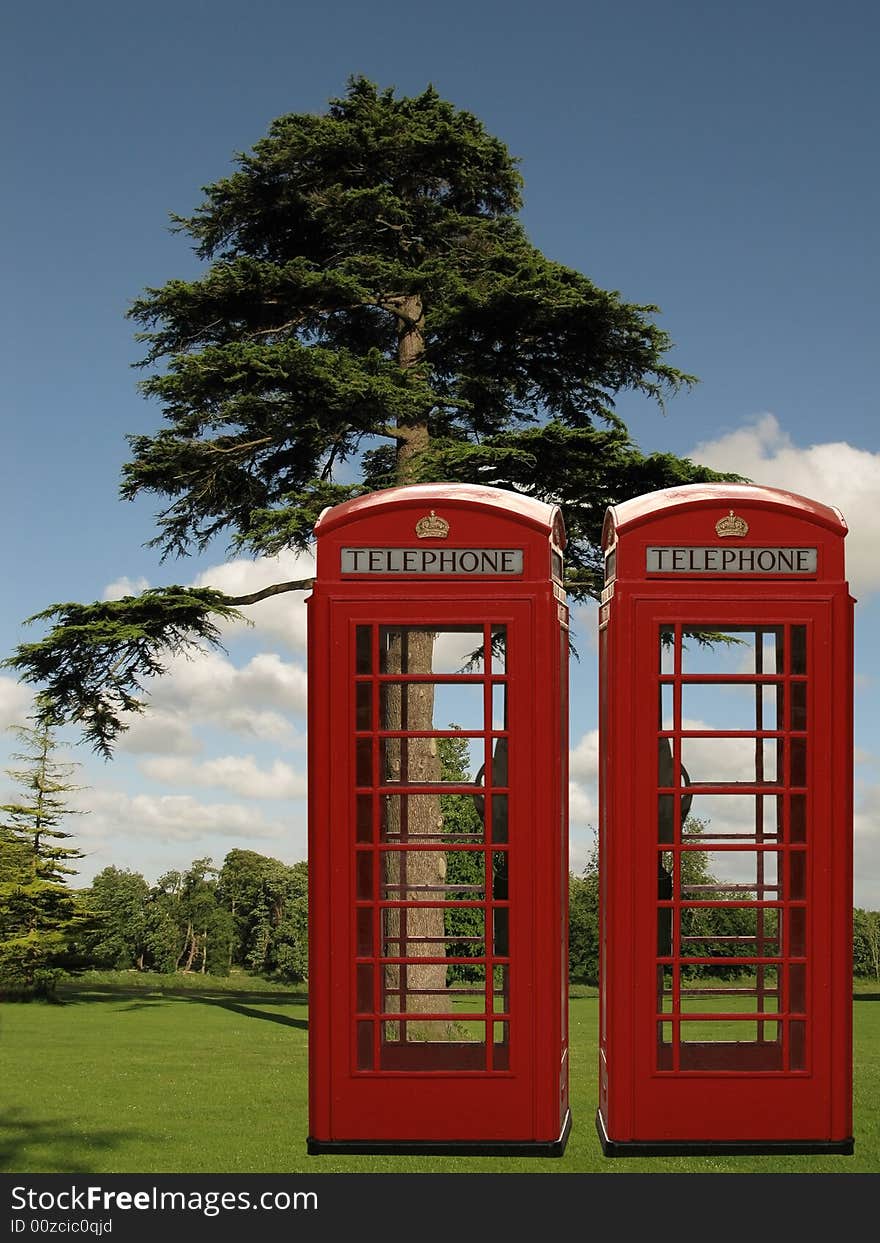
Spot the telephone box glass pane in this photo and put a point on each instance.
(363, 705)
(798, 649)
(364, 762)
(797, 830)
(447, 876)
(499, 649)
(724, 989)
(363, 649)
(732, 650)
(420, 649)
(418, 761)
(431, 706)
(734, 817)
(499, 706)
(666, 651)
(722, 875)
(797, 988)
(667, 702)
(728, 932)
(745, 706)
(364, 1046)
(797, 875)
(498, 819)
(727, 761)
(364, 934)
(364, 818)
(448, 818)
(447, 935)
(798, 705)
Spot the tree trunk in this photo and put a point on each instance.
(190, 943)
(415, 437)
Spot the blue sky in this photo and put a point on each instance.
(719, 161)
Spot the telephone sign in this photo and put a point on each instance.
(479, 562)
(711, 559)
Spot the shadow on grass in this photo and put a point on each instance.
(66, 1148)
(236, 1007)
(238, 1002)
(866, 996)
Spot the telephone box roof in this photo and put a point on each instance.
(546, 518)
(641, 509)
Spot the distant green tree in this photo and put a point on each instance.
(866, 943)
(583, 922)
(41, 918)
(188, 902)
(119, 901)
(267, 902)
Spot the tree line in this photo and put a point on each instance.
(251, 913)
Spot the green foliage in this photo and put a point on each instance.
(371, 312)
(119, 901)
(267, 903)
(40, 917)
(338, 238)
(94, 661)
(190, 931)
(583, 922)
(866, 943)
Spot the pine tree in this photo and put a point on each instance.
(39, 915)
(372, 313)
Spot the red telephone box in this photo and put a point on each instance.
(438, 837)
(725, 639)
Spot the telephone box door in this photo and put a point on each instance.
(732, 1023)
(432, 948)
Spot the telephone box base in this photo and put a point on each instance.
(718, 1148)
(444, 1148)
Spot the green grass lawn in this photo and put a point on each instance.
(144, 1075)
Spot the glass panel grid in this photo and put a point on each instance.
(431, 973)
(732, 926)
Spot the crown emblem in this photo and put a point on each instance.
(432, 527)
(731, 525)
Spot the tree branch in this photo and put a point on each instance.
(300, 584)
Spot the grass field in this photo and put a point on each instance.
(144, 1075)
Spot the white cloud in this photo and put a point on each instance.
(158, 730)
(583, 760)
(584, 621)
(281, 617)
(209, 689)
(866, 849)
(16, 703)
(582, 809)
(835, 473)
(169, 818)
(125, 586)
(209, 683)
(240, 774)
